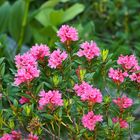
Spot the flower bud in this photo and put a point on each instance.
(104, 55)
(56, 80)
(11, 124)
(107, 99)
(27, 109)
(80, 73)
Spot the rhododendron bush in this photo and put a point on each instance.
(74, 91)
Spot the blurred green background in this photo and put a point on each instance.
(113, 24)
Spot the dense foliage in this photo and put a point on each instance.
(74, 83)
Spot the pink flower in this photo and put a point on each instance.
(89, 120)
(88, 93)
(50, 97)
(135, 77)
(117, 75)
(67, 33)
(16, 135)
(32, 137)
(26, 74)
(56, 58)
(128, 62)
(6, 137)
(123, 102)
(25, 60)
(123, 123)
(40, 51)
(24, 100)
(89, 49)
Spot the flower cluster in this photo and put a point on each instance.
(88, 93)
(40, 51)
(89, 120)
(130, 67)
(22, 61)
(27, 68)
(16, 135)
(51, 97)
(24, 100)
(56, 58)
(128, 62)
(26, 74)
(123, 123)
(123, 102)
(67, 33)
(31, 136)
(135, 77)
(89, 49)
(117, 75)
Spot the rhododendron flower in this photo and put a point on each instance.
(50, 97)
(117, 75)
(135, 77)
(40, 51)
(24, 100)
(6, 137)
(128, 62)
(26, 74)
(67, 33)
(56, 58)
(25, 60)
(123, 123)
(123, 102)
(16, 135)
(32, 137)
(89, 120)
(88, 93)
(89, 49)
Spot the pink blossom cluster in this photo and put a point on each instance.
(27, 63)
(32, 136)
(24, 100)
(135, 77)
(89, 120)
(117, 75)
(56, 58)
(16, 135)
(123, 102)
(50, 97)
(130, 67)
(22, 61)
(27, 68)
(88, 93)
(123, 123)
(67, 33)
(89, 49)
(40, 51)
(128, 62)
(26, 74)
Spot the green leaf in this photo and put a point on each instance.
(15, 21)
(59, 14)
(4, 14)
(48, 116)
(40, 87)
(2, 69)
(110, 123)
(2, 59)
(51, 3)
(44, 16)
(73, 11)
